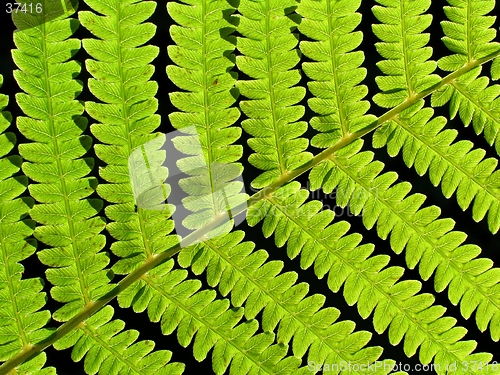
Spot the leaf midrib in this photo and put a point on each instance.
(281, 162)
(405, 49)
(206, 103)
(124, 100)
(343, 120)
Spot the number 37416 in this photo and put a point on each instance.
(23, 7)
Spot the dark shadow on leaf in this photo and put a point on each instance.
(80, 121)
(198, 255)
(235, 4)
(231, 57)
(11, 137)
(32, 225)
(235, 93)
(110, 274)
(111, 294)
(86, 142)
(395, 90)
(97, 205)
(89, 161)
(27, 14)
(16, 160)
(137, 296)
(7, 116)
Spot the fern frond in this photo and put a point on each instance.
(121, 72)
(236, 268)
(141, 234)
(269, 54)
(475, 101)
(204, 56)
(468, 32)
(456, 166)
(469, 35)
(407, 68)
(428, 241)
(396, 305)
(336, 71)
(69, 225)
(109, 351)
(179, 304)
(21, 322)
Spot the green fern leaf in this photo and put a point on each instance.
(272, 113)
(179, 304)
(468, 32)
(35, 366)
(21, 322)
(367, 283)
(407, 69)
(475, 101)
(203, 54)
(55, 163)
(269, 323)
(495, 69)
(457, 167)
(108, 350)
(336, 71)
(237, 269)
(121, 74)
(429, 241)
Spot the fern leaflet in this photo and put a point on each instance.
(203, 54)
(268, 49)
(336, 71)
(407, 69)
(21, 322)
(195, 314)
(468, 33)
(122, 71)
(69, 225)
(457, 167)
(110, 351)
(475, 102)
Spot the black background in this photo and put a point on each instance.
(478, 233)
